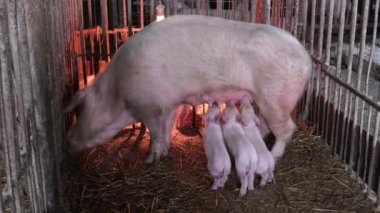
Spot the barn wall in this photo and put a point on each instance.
(33, 38)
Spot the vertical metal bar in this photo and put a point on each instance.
(151, 10)
(141, 14)
(253, 11)
(129, 6)
(198, 6)
(327, 84)
(218, 8)
(311, 50)
(348, 104)
(359, 82)
(374, 36)
(105, 41)
(82, 41)
(319, 57)
(246, 10)
(304, 22)
(267, 11)
(337, 95)
(232, 11)
(361, 158)
(373, 156)
(296, 14)
(125, 13)
(89, 6)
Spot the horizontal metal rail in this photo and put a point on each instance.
(325, 69)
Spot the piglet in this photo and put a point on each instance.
(249, 120)
(218, 160)
(240, 148)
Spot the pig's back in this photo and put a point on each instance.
(192, 54)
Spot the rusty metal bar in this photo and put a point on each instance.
(82, 42)
(89, 6)
(218, 8)
(124, 13)
(141, 14)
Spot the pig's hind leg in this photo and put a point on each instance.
(277, 114)
(244, 179)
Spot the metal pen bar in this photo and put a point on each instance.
(141, 14)
(267, 8)
(304, 22)
(319, 56)
(327, 84)
(129, 7)
(326, 68)
(339, 63)
(151, 10)
(218, 8)
(82, 42)
(311, 50)
(367, 84)
(361, 158)
(197, 5)
(359, 81)
(296, 14)
(348, 104)
(253, 11)
(373, 158)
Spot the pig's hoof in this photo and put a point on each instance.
(214, 187)
(251, 187)
(150, 158)
(242, 193)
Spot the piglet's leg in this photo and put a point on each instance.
(244, 183)
(169, 127)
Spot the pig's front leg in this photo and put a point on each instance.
(158, 146)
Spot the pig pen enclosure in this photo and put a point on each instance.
(50, 49)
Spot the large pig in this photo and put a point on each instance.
(181, 59)
(218, 159)
(240, 148)
(265, 165)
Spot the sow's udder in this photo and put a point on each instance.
(232, 97)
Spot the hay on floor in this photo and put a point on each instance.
(114, 178)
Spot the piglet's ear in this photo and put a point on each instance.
(77, 99)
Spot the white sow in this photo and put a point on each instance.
(182, 59)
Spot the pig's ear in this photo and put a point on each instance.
(77, 99)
